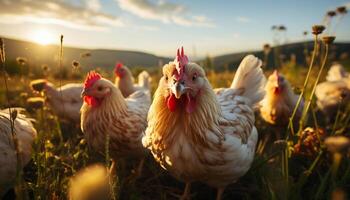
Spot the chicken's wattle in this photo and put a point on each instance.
(171, 103)
(190, 102)
(92, 101)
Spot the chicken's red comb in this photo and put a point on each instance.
(181, 61)
(91, 78)
(118, 66)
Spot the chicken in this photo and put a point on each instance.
(201, 134)
(337, 72)
(25, 134)
(279, 102)
(330, 94)
(65, 102)
(106, 111)
(125, 81)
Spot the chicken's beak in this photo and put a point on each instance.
(178, 89)
(85, 92)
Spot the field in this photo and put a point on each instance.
(307, 157)
(280, 170)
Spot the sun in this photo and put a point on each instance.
(43, 37)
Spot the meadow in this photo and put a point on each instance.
(297, 166)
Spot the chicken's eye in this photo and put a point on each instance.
(194, 77)
(99, 88)
(166, 77)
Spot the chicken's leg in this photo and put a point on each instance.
(219, 193)
(186, 193)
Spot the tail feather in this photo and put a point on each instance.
(251, 79)
(144, 80)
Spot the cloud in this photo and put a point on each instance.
(93, 5)
(243, 19)
(165, 12)
(87, 17)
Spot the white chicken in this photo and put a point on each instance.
(25, 134)
(279, 102)
(330, 94)
(65, 102)
(337, 72)
(125, 81)
(106, 111)
(199, 134)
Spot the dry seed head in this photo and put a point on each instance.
(75, 64)
(35, 102)
(14, 115)
(305, 33)
(23, 95)
(328, 39)
(342, 10)
(266, 48)
(85, 55)
(318, 29)
(331, 13)
(21, 60)
(282, 28)
(45, 67)
(38, 85)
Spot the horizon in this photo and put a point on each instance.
(160, 27)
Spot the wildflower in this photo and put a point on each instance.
(75, 64)
(328, 39)
(21, 60)
(90, 183)
(338, 144)
(309, 142)
(318, 29)
(38, 85)
(35, 102)
(342, 10)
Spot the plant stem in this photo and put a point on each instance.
(290, 124)
(308, 103)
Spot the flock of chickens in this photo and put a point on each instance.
(195, 132)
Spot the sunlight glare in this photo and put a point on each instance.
(43, 37)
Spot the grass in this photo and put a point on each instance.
(60, 150)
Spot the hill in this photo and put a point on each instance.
(338, 51)
(39, 55)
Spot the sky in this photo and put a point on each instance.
(203, 27)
